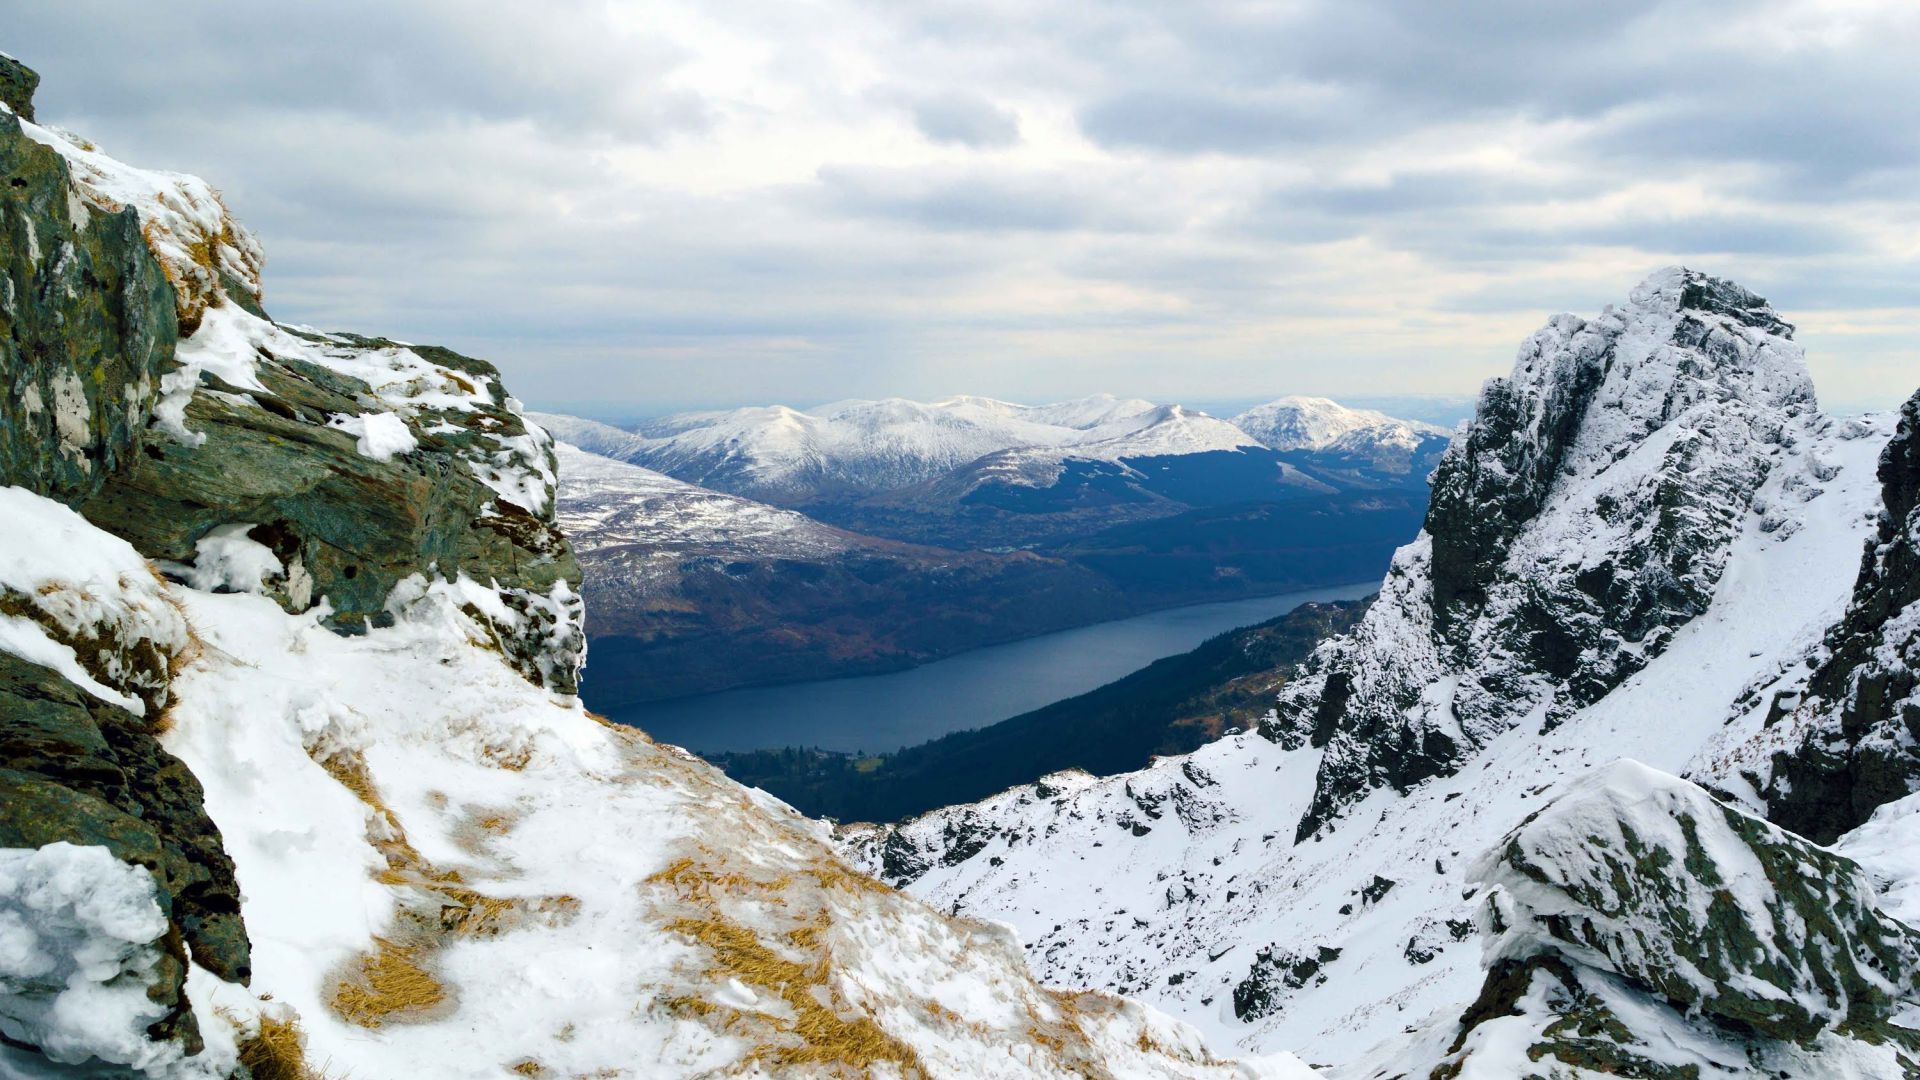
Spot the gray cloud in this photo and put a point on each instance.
(676, 203)
(967, 119)
(1183, 121)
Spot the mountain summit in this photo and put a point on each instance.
(1586, 513)
(1646, 528)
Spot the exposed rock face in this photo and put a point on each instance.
(144, 381)
(1635, 912)
(1847, 744)
(462, 497)
(88, 773)
(1584, 514)
(86, 320)
(89, 646)
(17, 84)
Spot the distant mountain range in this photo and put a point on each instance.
(853, 449)
(769, 544)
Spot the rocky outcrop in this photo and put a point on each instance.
(1586, 513)
(285, 485)
(86, 319)
(1635, 913)
(17, 84)
(88, 645)
(1845, 743)
(142, 385)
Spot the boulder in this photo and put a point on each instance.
(1647, 879)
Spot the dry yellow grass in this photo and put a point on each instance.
(824, 1030)
(693, 881)
(392, 982)
(512, 759)
(384, 985)
(817, 1034)
(278, 1051)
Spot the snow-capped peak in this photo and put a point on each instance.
(1312, 423)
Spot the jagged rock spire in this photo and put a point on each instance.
(1583, 515)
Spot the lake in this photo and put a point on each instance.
(881, 713)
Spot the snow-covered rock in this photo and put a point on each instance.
(1587, 512)
(86, 605)
(85, 972)
(207, 256)
(1635, 926)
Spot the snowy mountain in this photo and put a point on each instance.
(1315, 423)
(296, 783)
(857, 449)
(853, 448)
(1162, 431)
(1412, 867)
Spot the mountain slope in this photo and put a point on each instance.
(1311, 886)
(352, 695)
(1831, 737)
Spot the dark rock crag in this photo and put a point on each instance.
(1585, 514)
(1856, 724)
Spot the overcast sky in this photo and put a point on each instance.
(637, 205)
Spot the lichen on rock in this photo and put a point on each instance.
(86, 322)
(1635, 888)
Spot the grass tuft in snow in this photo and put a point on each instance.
(386, 984)
(820, 1035)
(278, 1051)
(796, 969)
(393, 982)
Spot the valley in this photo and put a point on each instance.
(1171, 706)
(769, 546)
(882, 713)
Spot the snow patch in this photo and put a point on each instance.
(379, 436)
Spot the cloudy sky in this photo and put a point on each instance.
(634, 205)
